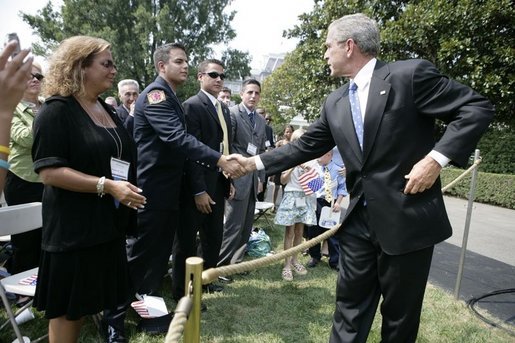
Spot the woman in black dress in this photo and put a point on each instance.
(86, 161)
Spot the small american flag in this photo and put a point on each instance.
(140, 308)
(311, 181)
(29, 281)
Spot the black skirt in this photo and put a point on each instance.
(82, 282)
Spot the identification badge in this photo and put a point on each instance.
(252, 149)
(300, 202)
(267, 143)
(119, 169)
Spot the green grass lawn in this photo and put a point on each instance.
(262, 308)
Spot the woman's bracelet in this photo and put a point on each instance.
(100, 186)
(4, 149)
(4, 164)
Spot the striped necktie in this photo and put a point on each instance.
(356, 112)
(252, 120)
(223, 124)
(328, 185)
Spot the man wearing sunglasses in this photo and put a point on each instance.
(203, 190)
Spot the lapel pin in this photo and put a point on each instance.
(382, 92)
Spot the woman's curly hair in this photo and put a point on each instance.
(65, 75)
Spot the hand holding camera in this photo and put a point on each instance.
(14, 74)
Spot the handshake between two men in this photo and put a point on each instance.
(236, 165)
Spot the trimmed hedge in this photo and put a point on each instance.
(495, 149)
(493, 189)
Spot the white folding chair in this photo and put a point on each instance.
(261, 211)
(13, 220)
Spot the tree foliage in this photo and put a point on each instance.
(237, 64)
(472, 41)
(136, 28)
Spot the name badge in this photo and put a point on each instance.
(252, 149)
(267, 143)
(119, 169)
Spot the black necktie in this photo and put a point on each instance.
(251, 117)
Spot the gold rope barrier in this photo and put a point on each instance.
(462, 175)
(211, 274)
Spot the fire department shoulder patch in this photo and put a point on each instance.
(156, 96)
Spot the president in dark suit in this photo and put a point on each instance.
(204, 190)
(163, 146)
(383, 122)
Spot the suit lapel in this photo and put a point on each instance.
(377, 98)
(210, 108)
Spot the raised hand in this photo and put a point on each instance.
(14, 75)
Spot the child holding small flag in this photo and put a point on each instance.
(298, 207)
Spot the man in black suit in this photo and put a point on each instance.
(384, 132)
(163, 146)
(204, 190)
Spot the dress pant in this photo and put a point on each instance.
(237, 229)
(210, 229)
(366, 273)
(27, 245)
(149, 253)
(332, 243)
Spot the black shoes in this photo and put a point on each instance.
(312, 262)
(155, 325)
(115, 335)
(212, 288)
(114, 332)
(225, 279)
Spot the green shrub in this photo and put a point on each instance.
(493, 189)
(495, 149)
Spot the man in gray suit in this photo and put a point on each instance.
(383, 122)
(249, 140)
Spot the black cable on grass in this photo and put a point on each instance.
(473, 301)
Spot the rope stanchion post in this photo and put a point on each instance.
(193, 288)
(180, 318)
(471, 197)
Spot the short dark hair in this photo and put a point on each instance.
(162, 53)
(203, 65)
(250, 82)
(226, 90)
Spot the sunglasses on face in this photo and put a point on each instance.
(215, 75)
(109, 65)
(37, 76)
